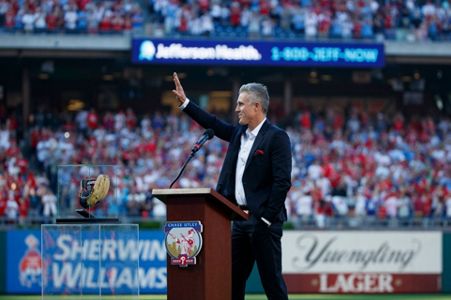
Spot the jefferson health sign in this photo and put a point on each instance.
(362, 262)
(24, 263)
(257, 53)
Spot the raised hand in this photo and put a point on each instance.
(178, 92)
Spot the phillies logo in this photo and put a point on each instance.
(183, 242)
(30, 264)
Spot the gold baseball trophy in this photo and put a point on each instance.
(87, 253)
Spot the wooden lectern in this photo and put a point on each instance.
(211, 277)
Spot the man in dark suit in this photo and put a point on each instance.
(256, 175)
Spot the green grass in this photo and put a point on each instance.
(251, 297)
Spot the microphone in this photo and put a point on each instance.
(208, 135)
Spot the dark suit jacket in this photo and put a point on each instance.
(267, 174)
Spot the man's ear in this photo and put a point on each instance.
(258, 106)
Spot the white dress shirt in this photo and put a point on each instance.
(247, 141)
(184, 104)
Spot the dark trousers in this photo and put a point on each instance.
(253, 240)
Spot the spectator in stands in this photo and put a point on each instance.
(12, 208)
(70, 19)
(40, 23)
(49, 202)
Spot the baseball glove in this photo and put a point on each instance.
(93, 190)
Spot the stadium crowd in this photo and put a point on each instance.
(344, 19)
(350, 168)
(70, 16)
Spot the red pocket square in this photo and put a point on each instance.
(259, 152)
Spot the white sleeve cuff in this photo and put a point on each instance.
(266, 221)
(184, 105)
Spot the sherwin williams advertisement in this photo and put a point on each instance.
(69, 273)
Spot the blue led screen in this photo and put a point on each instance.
(257, 53)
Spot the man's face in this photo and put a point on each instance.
(246, 109)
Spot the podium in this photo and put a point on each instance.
(211, 277)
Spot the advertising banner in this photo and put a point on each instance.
(90, 259)
(446, 275)
(362, 262)
(24, 263)
(313, 262)
(2, 261)
(257, 53)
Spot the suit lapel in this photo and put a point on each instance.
(226, 182)
(232, 153)
(235, 146)
(257, 142)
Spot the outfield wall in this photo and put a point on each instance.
(313, 262)
(362, 261)
(2, 262)
(446, 275)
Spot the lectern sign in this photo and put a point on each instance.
(183, 242)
